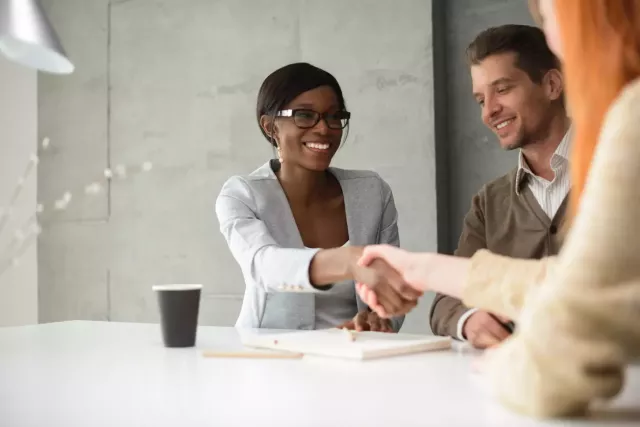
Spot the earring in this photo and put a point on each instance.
(280, 155)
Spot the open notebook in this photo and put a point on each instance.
(342, 344)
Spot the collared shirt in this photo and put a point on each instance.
(548, 194)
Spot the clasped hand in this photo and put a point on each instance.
(381, 286)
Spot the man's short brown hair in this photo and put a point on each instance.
(529, 44)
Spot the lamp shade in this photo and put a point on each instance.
(26, 37)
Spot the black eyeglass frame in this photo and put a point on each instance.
(345, 115)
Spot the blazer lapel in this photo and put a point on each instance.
(353, 204)
(300, 307)
(291, 233)
(357, 229)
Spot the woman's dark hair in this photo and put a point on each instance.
(286, 83)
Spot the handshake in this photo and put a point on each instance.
(388, 280)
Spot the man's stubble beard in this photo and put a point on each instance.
(521, 141)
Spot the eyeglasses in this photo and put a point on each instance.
(306, 119)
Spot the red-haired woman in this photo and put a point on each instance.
(578, 314)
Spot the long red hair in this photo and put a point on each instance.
(601, 54)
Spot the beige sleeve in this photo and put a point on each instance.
(578, 330)
(501, 284)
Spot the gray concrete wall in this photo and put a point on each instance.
(467, 150)
(73, 251)
(18, 123)
(175, 83)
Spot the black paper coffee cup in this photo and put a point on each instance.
(179, 306)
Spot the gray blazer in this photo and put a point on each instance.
(258, 225)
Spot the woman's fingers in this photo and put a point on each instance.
(374, 322)
(361, 321)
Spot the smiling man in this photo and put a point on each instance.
(518, 86)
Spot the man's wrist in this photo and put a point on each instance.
(462, 321)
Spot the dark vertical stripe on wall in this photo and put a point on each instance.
(443, 190)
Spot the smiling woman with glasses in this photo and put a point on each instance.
(297, 226)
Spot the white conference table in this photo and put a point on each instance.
(119, 374)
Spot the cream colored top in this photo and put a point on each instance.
(578, 314)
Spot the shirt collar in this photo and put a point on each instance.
(560, 155)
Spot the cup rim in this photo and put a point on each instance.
(177, 287)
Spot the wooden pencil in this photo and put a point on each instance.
(351, 335)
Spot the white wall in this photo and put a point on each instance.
(18, 133)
